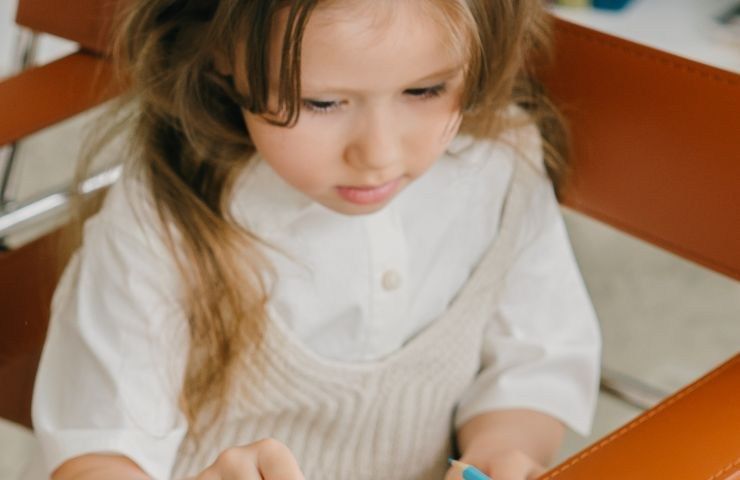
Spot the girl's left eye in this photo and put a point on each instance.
(429, 92)
(319, 106)
(327, 106)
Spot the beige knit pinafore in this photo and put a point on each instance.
(378, 420)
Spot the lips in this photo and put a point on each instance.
(368, 195)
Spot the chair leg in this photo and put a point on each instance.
(630, 389)
(8, 155)
(26, 49)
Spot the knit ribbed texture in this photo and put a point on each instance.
(385, 419)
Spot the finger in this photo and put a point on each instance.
(276, 461)
(511, 470)
(453, 474)
(235, 463)
(536, 472)
(208, 474)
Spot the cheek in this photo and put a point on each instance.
(434, 129)
(299, 155)
(448, 118)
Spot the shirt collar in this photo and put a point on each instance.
(459, 144)
(264, 202)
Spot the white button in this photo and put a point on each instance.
(391, 280)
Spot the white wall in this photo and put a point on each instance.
(49, 47)
(683, 27)
(7, 30)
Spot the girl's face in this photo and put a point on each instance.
(380, 103)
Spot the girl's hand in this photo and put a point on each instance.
(263, 460)
(503, 465)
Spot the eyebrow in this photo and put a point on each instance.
(442, 74)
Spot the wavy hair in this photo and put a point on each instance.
(190, 141)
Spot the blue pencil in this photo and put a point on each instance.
(469, 472)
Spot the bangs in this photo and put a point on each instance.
(453, 17)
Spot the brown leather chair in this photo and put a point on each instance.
(656, 148)
(656, 153)
(36, 98)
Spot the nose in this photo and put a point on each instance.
(377, 143)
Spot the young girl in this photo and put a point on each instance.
(335, 253)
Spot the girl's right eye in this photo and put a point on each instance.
(320, 106)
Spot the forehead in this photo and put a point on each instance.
(370, 45)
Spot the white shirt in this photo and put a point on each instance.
(352, 288)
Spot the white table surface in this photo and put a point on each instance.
(682, 27)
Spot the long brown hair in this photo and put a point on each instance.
(190, 141)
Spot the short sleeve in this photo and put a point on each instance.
(110, 372)
(541, 347)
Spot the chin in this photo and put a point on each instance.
(353, 209)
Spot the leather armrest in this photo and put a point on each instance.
(694, 434)
(29, 276)
(87, 22)
(45, 95)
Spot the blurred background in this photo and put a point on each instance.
(664, 321)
